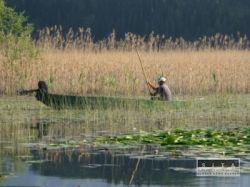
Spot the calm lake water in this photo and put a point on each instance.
(104, 167)
(38, 148)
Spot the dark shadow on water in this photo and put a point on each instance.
(120, 167)
(42, 129)
(114, 167)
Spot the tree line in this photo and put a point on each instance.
(189, 19)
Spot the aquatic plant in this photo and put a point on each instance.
(178, 136)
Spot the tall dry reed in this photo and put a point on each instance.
(57, 38)
(75, 64)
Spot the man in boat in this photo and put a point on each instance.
(42, 87)
(163, 90)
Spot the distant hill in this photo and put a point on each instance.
(189, 19)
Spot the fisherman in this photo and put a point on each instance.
(42, 87)
(163, 90)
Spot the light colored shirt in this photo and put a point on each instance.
(164, 92)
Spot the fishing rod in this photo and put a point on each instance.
(144, 74)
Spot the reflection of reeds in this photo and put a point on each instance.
(76, 64)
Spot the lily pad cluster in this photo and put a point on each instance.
(208, 137)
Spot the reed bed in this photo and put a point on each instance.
(119, 73)
(76, 64)
(57, 38)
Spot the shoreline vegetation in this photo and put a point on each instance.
(213, 111)
(210, 121)
(75, 64)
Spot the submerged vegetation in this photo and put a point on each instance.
(218, 121)
(21, 117)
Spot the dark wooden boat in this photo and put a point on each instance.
(99, 102)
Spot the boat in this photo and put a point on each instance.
(58, 101)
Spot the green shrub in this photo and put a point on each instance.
(16, 46)
(15, 33)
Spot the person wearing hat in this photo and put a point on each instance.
(163, 90)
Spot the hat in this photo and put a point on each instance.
(162, 79)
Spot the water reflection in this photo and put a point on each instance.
(42, 129)
(114, 167)
(106, 166)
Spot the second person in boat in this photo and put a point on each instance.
(162, 90)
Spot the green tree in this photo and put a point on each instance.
(12, 22)
(16, 46)
(15, 40)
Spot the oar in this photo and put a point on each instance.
(25, 92)
(144, 74)
(42, 87)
